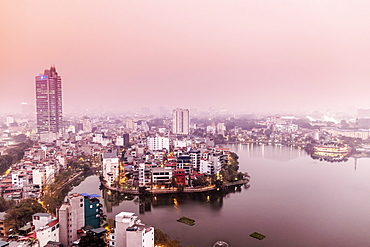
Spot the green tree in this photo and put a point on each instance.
(20, 138)
(5, 162)
(19, 215)
(90, 240)
(161, 238)
(200, 181)
(6, 204)
(230, 171)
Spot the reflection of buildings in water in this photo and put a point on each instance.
(330, 157)
(359, 155)
(113, 199)
(273, 151)
(145, 204)
(213, 199)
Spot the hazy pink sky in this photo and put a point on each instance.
(245, 55)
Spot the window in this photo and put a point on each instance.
(81, 205)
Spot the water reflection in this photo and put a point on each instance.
(330, 157)
(145, 203)
(270, 151)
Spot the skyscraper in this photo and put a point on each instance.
(49, 101)
(180, 121)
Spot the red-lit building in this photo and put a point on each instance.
(180, 177)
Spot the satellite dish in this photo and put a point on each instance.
(221, 244)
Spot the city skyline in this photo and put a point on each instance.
(244, 57)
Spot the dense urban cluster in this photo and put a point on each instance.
(139, 154)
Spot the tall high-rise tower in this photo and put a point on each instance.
(49, 101)
(180, 121)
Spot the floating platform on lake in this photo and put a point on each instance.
(187, 221)
(257, 235)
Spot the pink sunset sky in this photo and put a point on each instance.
(243, 56)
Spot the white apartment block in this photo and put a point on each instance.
(130, 232)
(205, 167)
(161, 175)
(119, 141)
(130, 124)
(110, 167)
(159, 156)
(71, 218)
(86, 125)
(182, 144)
(158, 143)
(221, 128)
(20, 178)
(180, 121)
(46, 228)
(195, 156)
(285, 128)
(361, 133)
(38, 177)
(144, 174)
(216, 162)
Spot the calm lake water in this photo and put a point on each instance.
(292, 199)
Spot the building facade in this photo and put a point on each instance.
(71, 218)
(110, 167)
(129, 231)
(158, 143)
(49, 101)
(180, 121)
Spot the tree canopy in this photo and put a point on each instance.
(161, 238)
(90, 240)
(22, 213)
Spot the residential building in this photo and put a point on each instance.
(158, 143)
(71, 218)
(46, 228)
(49, 101)
(184, 162)
(195, 156)
(161, 175)
(93, 210)
(180, 121)
(110, 167)
(78, 211)
(129, 231)
(144, 174)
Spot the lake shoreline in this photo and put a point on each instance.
(176, 191)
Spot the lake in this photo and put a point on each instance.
(293, 200)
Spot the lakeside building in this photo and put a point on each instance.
(180, 121)
(129, 231)
(359, 133)
(79, 210)
(110, 166)
(49, 104)
(145, 174)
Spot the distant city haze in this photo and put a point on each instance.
(240, 56)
